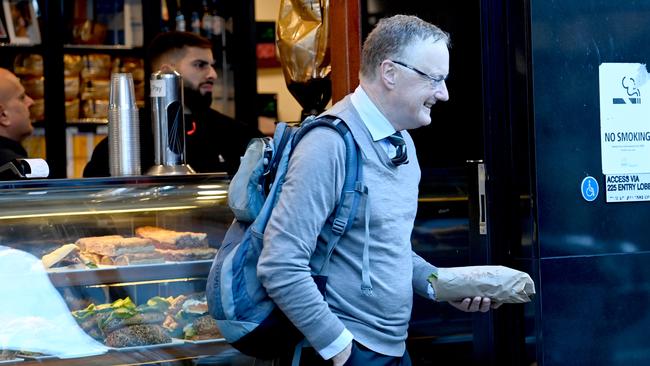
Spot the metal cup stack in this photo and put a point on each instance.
(123, 127)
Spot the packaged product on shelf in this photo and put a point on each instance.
(85, 31)
(28, 65)
(94, 108)
(72, 109)
(96, 66)
(37, 110)
(123, 324)
(135, 67)
(67, 256)
(72, 65)
(118, 250)
(188, 318)
(101, 88)
(34, 87)
(186, 255)
(71, 87)
(170, 239)
(178, 246)
(94, 96)
(29, 69)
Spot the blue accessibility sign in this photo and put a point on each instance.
(589, 188)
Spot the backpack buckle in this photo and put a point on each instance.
(338, 227)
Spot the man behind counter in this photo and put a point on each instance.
(15, 124)
(213, 142)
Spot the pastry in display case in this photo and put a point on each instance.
(121, 262)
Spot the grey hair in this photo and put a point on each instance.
(391, 36)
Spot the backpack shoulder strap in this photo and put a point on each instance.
(274, 175)
(353, 191)
(353, 173)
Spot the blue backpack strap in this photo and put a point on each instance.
(276, 172)
(353, 188)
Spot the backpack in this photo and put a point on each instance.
(246, 316)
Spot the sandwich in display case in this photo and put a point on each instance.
(109, 271)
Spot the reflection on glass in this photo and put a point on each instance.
(37, 320)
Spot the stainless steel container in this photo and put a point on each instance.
(168, 124)
(123, 127)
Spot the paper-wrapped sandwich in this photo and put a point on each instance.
(501, 284)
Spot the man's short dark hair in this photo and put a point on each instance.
(173, 44)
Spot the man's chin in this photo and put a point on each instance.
(204, 90)
(424, 120)
(195, 100)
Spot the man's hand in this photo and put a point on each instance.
(482, 304)
(342, 356)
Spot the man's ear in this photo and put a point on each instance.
(4, 118)
(387, 74)
(167, 67)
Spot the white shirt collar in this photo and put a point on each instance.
(375, 121)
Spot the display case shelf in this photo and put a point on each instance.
(113, 50)
(137, 355)
(112, 181)
(99, 47)
(133, 273)
(22, 47)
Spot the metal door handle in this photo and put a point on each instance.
(482, 201)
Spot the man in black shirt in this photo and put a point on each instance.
(15, 124)
(213, 142)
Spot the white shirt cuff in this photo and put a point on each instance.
(337, 346)
(431, 292)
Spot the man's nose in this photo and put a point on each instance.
(212, 75)
(29, 101)
(442, 93)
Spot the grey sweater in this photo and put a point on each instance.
(295, 239)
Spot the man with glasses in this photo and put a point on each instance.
(373, 271)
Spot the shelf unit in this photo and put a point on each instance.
(53, 23)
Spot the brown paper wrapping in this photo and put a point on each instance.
(302, 39)
(499, 283)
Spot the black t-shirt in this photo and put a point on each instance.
(213, 143)
(10, 150)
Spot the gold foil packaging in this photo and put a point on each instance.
(302, 39)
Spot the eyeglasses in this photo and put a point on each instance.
(436, 80)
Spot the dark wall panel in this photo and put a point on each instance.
(570, 39)
(594, 310)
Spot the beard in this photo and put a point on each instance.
(195, 101)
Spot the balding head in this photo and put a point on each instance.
(7, 83)
(15, 123)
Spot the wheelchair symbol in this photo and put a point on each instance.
(589, 188)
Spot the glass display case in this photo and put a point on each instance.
(109, 271)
